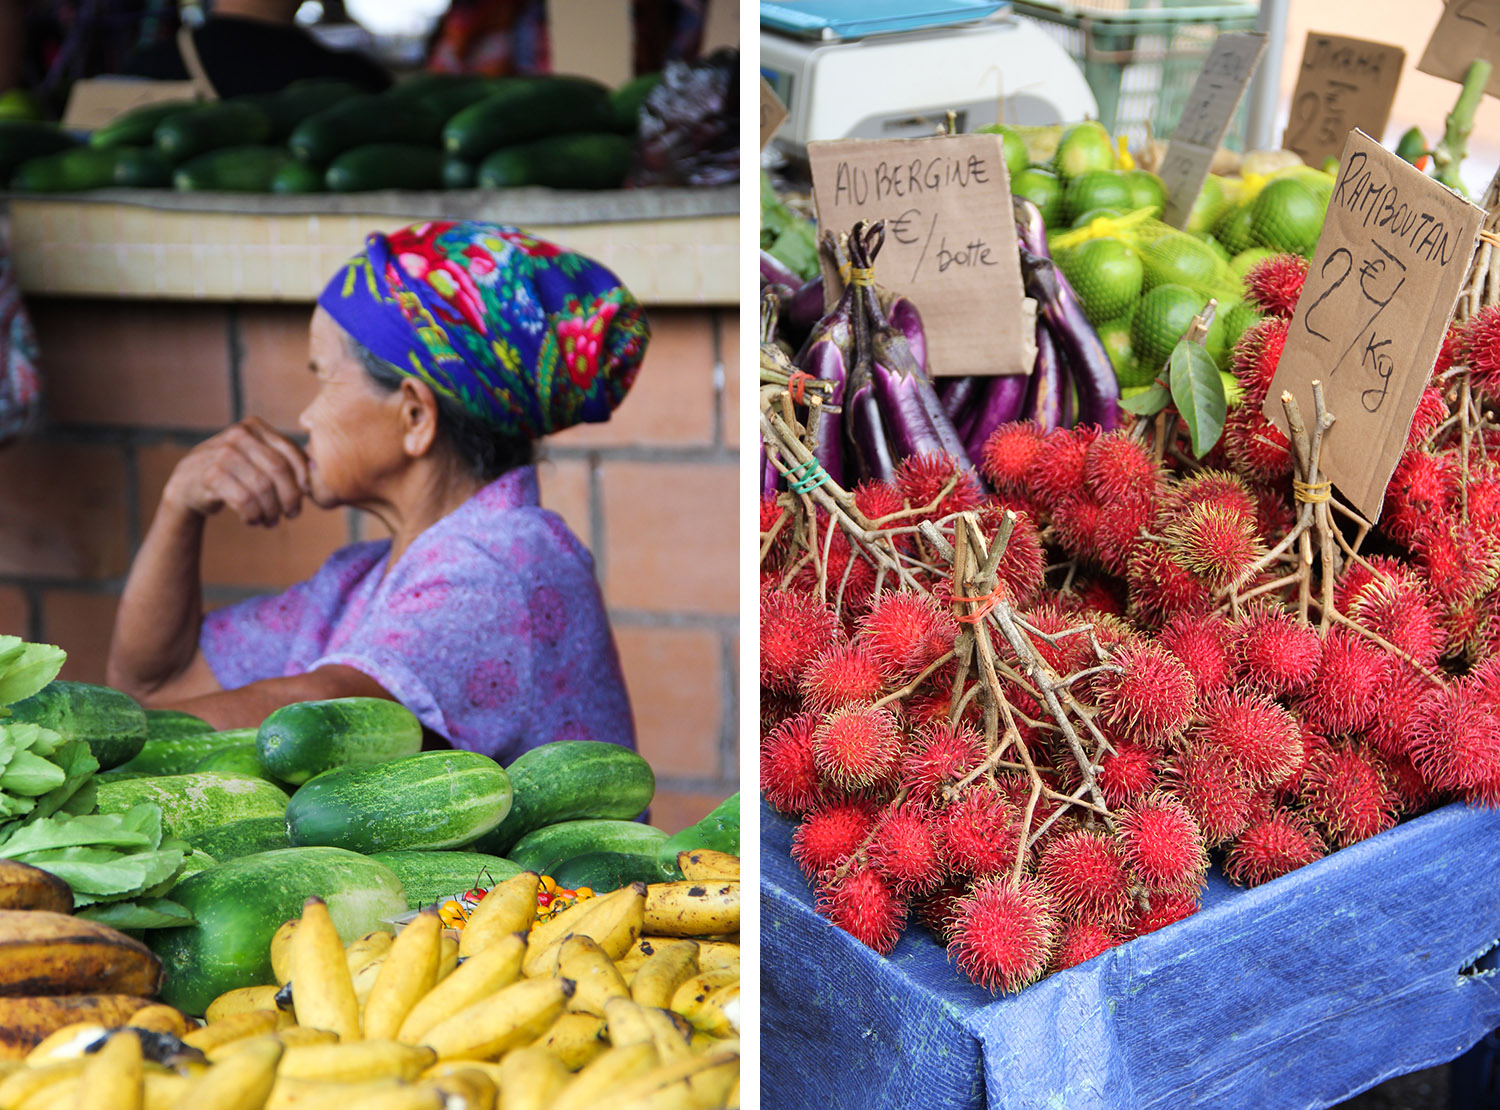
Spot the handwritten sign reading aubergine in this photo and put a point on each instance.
(1343, 83)
(1467, 29)
(1205, 120)
(772, 112)
(950, 239)
(1381, 288)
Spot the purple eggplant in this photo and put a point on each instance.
(1044, 393)
(1078, 344)
(1000, 403)
(865, 425)
(902, 315)
(825, 359)
(775, 272)
(770, 477)
(958, 395)
(804, 308)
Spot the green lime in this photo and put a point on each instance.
(1016, 156)
(1237, 320)
(1164, 315)
(1208, 206)
(1179, 259)
(1084, 147)
(1097, 214)
(1287, 216)
(1240, 264)
(1095, 189)
(1106, 275)
(1233, 229)
(1115, 335)
(1214, 245)
(1043, 189)
(1146, 190)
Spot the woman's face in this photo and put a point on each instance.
(354, 433)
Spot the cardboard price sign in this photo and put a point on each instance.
(950, 239)
(772, 112)
(1388, 270)
(1467, 29)
(1343, 83)
(1205, 119)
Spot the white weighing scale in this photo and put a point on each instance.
(893, 69)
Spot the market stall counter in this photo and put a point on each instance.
(1370, 963)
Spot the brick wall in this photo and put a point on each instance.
(130, 387)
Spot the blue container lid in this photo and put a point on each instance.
(852, 19)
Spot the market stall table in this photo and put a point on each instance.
(1373, 962)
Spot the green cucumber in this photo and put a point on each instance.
(585, 160)
(448, 101)
(628, 98)
(242, 838)
(72, 171)
(240, 904)
(23, 140)
(457, 174)
(307, 738)
(432, 800)
(602, 872)
(297, 177)
(385, 166)
(361, 120)
(111, 723)
(137, 126)
(225, 123)
(234, 169)
(548, 847)
(719, 830)
(571, 780)
(301, 100)
(196, 861)
(176, 755)
(431, 877)
(164, 723)
(140, 168)
(236, 759)
(528, 108)
(196, 802)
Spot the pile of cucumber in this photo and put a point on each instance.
(431, 131)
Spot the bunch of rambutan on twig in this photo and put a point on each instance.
(1027, 715)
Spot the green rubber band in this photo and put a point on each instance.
(807, 476)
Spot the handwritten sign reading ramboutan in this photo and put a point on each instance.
(1467, 29)
(950, 238)
(1343, 83)
(1387, 272)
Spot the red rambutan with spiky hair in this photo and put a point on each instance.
(776, 706)
(1451, 351)
(1162, 844)
(1160, 589)
(1213, 791)
(1081, 941)
(1403, 613)
(1075, 525)
(904, 851)
(1150, 698)
(1201, 643)
(1212, 487)
(1457, 561)
(1084, 872)
(863, 904)
(1432, 410)
(1256, 356)
(1100, 595)
(1058, 468)
(1358, 577)
(1271, 847)
(1001, 934)
(920, 479)
(1261, 739)
(1254, 446)
(1404, 688)
(1481, 350)
(1069, 652)
(1122, 526)
(1116, 466)
(1484, 502)
(1167, 908)
(795, 628)
(1274, 652)
(1345, 693)
(831, 834)
(1413, 793)
(878, 500)
(1454, 738)
(979, 834)
(788, 776)
(771, 512)
(1484, 681)
(850, 578)
(1129, 774)
(1486, 794)
(854, 749)
(1274, 284)
(906, 633)
(1345, 794)
(1422, 487)
(935, 910)
(1213, 542)
(1023, 566)
(1007, 456)
(939, 755)
(845, 675)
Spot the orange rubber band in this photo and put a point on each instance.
(986, 604)
(797, 385)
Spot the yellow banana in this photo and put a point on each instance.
(160, 1018)
(408, 972)
(530, 1079)
(20, 1085)
(716, 1013)
(444, 1068)
(471, 1088)
(322, 990)
(514, 1016)
(689, 1082)
(363, 980)
(162, 1090)
(717, 953)
(613, 921)
(711, 953)
(732, 1100)
(249, 1023)
(371, 946)
(239, 1000)
(287, 1038)
(447, 955)
(66, 1043)
(703, 984)
(366, 1059)
(60, 1096)
(509, 907)
(574, 1038)
(625, 1023)
(374, 1094)
(692, 909)
(582, 960)
(23, 887)
(602, 1075)
(242, 1082)
(707, 865)
(496, 967)
(670, 1031)
(658, 978)
(281, 951)
(113, 1077)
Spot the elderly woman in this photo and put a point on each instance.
(442, 352)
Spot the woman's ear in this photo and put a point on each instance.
(419, 417)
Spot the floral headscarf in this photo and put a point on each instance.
(527, 336)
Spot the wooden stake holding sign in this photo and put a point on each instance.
(1205, 120)
(1342, 84)
(1390, 263)
(950, 242)
(1467, 29)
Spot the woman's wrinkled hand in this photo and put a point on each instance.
(249, 467)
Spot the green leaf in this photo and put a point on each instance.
(24, 672)
(116, 875)
(31, 775)
(141, 913)
(77, 794)
(100, 829)
(1149, 401)
(1198, 393)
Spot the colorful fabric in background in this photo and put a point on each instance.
(20, 388)
(527, 336)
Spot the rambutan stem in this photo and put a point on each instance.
(911, 686)
(1379, 640)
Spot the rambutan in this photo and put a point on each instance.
(1275, 653)
(771, 512)
(1212, 487)
(1167, 908)
(1095, 595)
(940, 755)
(906, 633)
(1421, 488)
(1001, 934)
(904, 851)
(1432, 410)
(1456, 560)
(1345, 693)
(1122, 525)
(831, 834)
(788, 777)
(1075, 525)
(857, 748)
(845, 675)
(1214, 542)
(1271, 847)
(1129, 774)
(863, 905)
(849, 577)
(1213, 791)
(1081, 941)
(1160, 589)
(1150, 698)
(1084, 872)
(877, 500)
(1058, 468)
(1022, 566)
(795, 628)
(1451, 350)
(1454, 738)
(1481, 349)
(1008, 454)
(935, 911)
(1255, 446)
(1388, 733)
(1345, 794)
(1256, 356)
(1403, 613)
(979, 834)
(1274, 284)
(1201, 643)
(1163, 844)
(1116, 466)
(1412, 792)
(921, 480)
(1068, 653)
(1261, 739)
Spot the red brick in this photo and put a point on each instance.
(15, 612)
(674, 811)
(729, 353)
(565, 490)
(136, 364)
(62, 510)
(81, 624)
(274, 377)
(674, 677)
(672, 400)
(670, 536)
(235, 554)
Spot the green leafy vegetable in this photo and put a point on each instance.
(142, 913)
(25, 668)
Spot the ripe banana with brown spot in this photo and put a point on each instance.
(290, 1037)
(716, 1013)
(658, 978)
(530, 1079)
(239, 1001)
(247, 1023)
(613, 922)
(707, 865)
(482, 975)
(582, 960)
(514, 1016)
(23, 887)
(242, 1082)
(687, 1083)
(46, 953)
(366, 1059)
(281, 951)
(28, 1020)
(711, 953)
(113, 1077)
(692, 909)
(408, 972)
(322, 989)
(469, 1088)
(700, 986)
(509, 907)
(575, 1038)
(602, 1075)
(160, 1018)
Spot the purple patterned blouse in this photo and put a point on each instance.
(490, 627)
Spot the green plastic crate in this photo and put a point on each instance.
(1141, 57)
